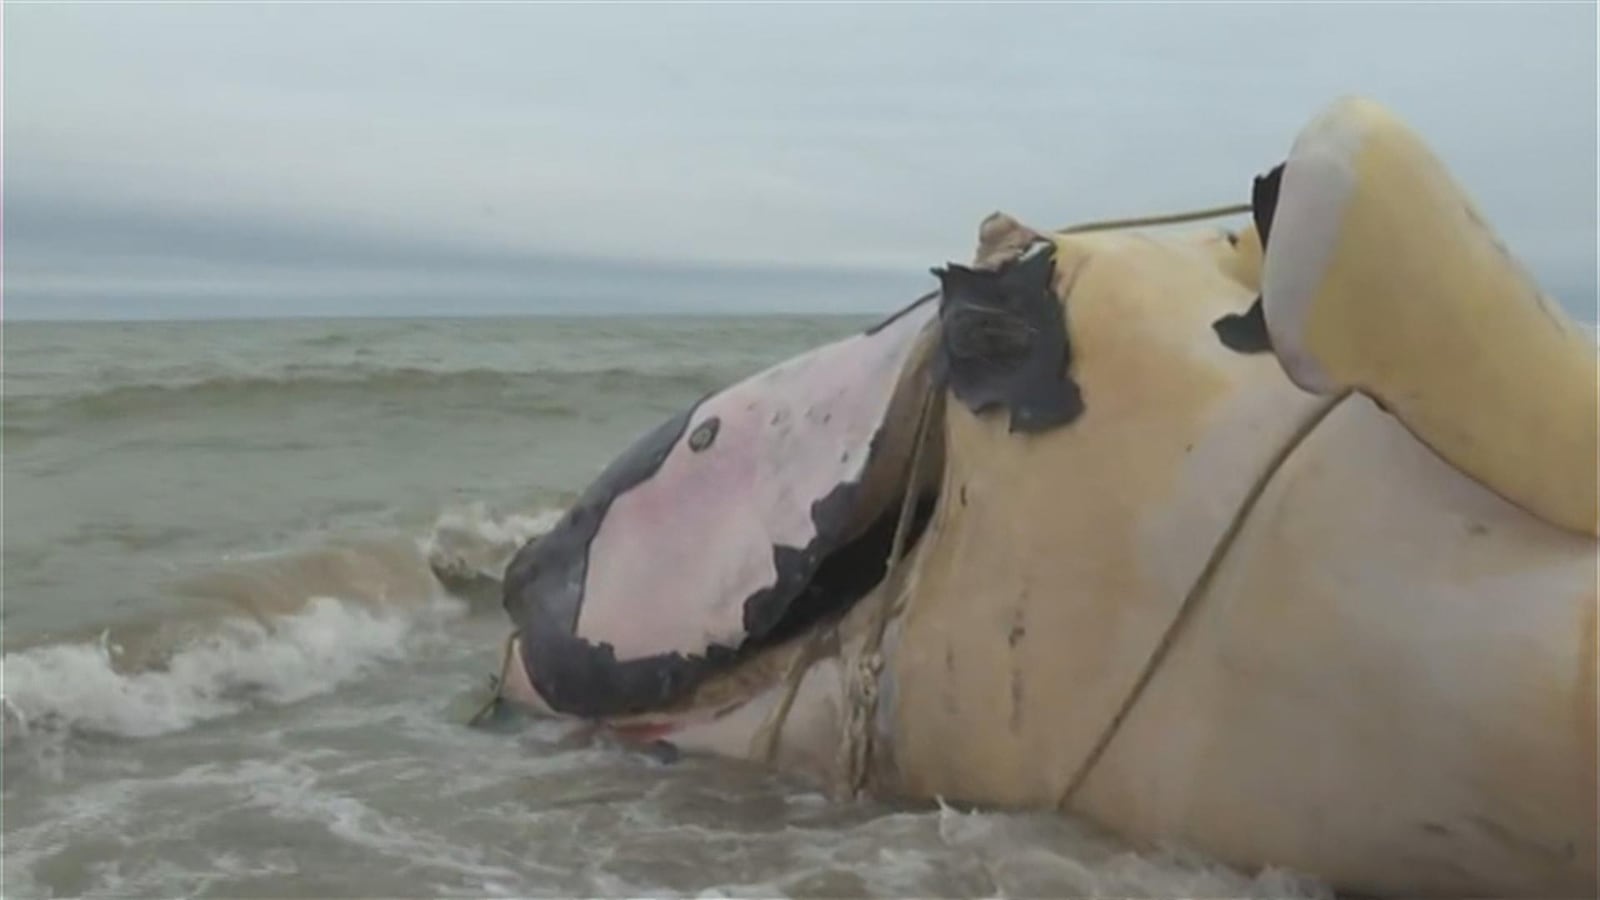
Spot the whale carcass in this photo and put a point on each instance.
(1279, 543)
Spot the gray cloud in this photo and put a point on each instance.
(178, 159)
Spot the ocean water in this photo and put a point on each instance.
(229, 670)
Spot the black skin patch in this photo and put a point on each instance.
(544, 592)
(844, 576)
(1245, 332)
(1004, 343)
(1264, 201)
(830, 516)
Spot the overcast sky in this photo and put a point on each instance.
(178, 160)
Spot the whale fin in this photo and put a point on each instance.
(1381, 276)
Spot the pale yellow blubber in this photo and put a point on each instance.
(1381, 275)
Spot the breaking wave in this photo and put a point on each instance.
(471, 546)
(268, 630)
(245, 663)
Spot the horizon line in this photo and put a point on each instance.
(439, 317)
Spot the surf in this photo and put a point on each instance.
(266, 630)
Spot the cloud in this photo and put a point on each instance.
(314, 158)
(154, 263)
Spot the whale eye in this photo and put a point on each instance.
(702, 436)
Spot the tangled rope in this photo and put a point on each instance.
(855, 750)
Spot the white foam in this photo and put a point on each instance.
(294, 793)
(478, 538)
(1023, 853)
(244, 663)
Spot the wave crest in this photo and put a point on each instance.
(244, 663)
(269, 630)
(468, 548)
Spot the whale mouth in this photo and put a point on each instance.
(760, 515)
(844, 579)
(845, 576)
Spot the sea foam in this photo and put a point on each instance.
(241, 664)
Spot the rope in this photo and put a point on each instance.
(764, 743)
(499, 682)
(1191, 600)
(856, 749)
(1214, 212)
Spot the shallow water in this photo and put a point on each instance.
(229, 670)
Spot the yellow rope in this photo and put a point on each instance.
(489, 705)
(764, 743)
(1191, 600)
(856, 747)
(1214, 212)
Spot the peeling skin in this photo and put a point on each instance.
(1264, 201)
(701, 537)
(1247, 332)
(1005, 343)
